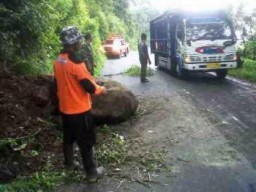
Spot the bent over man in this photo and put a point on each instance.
(74, 85)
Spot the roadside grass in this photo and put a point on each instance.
(112, 148)
(45, 180)
(134, 71)
(112, 152)
(247, 72)
(109, 151)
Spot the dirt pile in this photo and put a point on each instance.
(29, 139)
(24, 125)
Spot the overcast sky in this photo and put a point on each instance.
(200, 4)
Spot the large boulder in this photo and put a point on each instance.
(116, 106)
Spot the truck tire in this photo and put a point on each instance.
(173, 70)
(180, 72)
(222, 73)
(156, 60)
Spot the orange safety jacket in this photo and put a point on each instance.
(73, 99)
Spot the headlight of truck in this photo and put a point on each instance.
(230, 57)
(187, 59)
(192, 59)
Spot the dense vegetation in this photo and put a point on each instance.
(244, 23)
(29, 33)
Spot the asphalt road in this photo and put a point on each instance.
(219, 158)
(232, 101)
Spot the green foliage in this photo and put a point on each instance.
(142, 15)
(23, 36)
(152, 160)
(112, 151)
(134, 70)
(244, 24)
(29, 33)
(250, 50)
(105, 129)
(42, 181)
(248, 71)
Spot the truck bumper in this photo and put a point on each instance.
(209, 66)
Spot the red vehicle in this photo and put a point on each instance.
(116, 47)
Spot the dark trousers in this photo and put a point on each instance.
(143, 71)
(79, 128)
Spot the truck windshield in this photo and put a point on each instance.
(211, 29)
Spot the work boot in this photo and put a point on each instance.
(95, 174)
(69, 161)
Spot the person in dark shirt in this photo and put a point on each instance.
(144, 57)
(87, 53)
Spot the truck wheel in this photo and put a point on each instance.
(156, 60)
(173, 70)
(181, 73)
(222, 73)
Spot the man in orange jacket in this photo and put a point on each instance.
(74, 88)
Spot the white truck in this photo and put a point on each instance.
(188, 42)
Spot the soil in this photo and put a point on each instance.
(25, 126)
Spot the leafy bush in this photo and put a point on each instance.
(250, 49)
(112, 151)
(29, 33)
(248, 71)
(43, 181)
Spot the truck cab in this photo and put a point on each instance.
(185, 43)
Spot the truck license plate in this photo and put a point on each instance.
(213, 65)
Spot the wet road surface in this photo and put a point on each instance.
(218, 158)
(232, 101)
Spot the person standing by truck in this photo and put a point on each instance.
(144, 57)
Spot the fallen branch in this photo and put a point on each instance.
(143, 183)
(8, 140)
(27, 136)
(149, 177)
(121, 182)
(138, 171)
